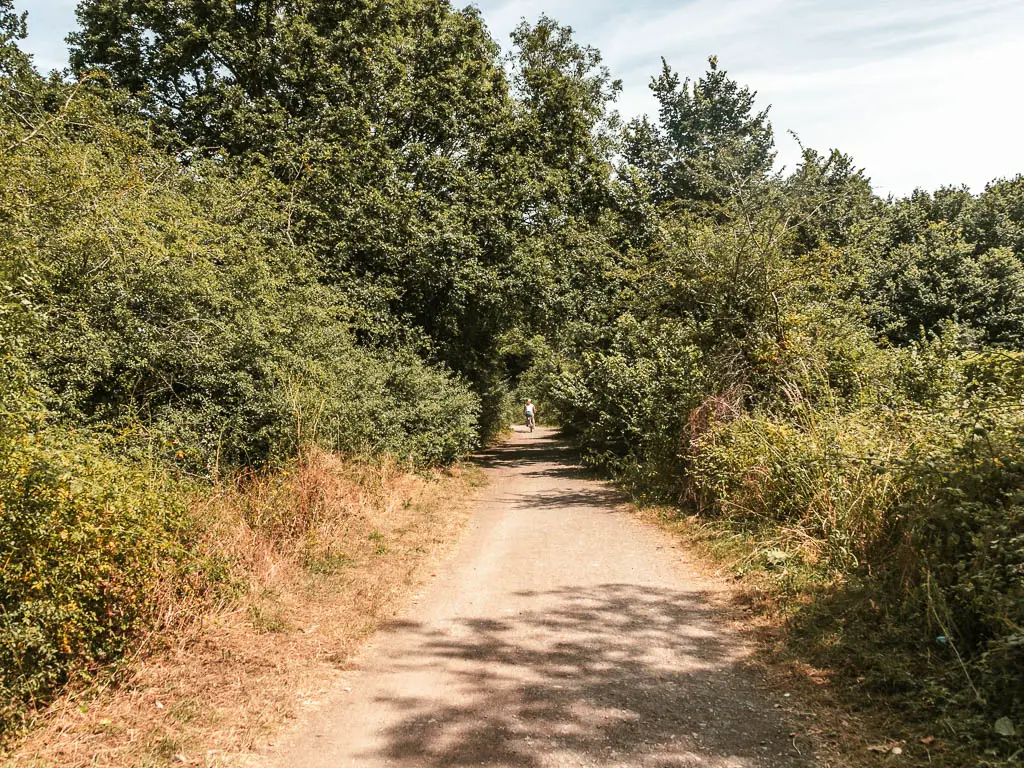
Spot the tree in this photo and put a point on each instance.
(14, 63)
(995, 218)
(708, 141)
(916, 287)
(566, 133)
(829, 200)
(569, 127)
(389, 125)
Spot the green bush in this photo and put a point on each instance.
(627, 405)
(820, 478)
(83, 539)
(924, 510)
(158, 320)
(963, 515)
(173, 296)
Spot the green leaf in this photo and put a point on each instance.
(1004, 727)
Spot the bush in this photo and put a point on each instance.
(923, 510)
(628, 405)
(821, 478)
(83, 540)
(963, 516)
(162, 318)
(173, 296)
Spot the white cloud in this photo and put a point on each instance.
(920, 92)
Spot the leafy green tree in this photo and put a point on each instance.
(20, 112)
(569, 128)
(995, 218)
(709, 141)
(388, 124)
(915, 288)
(14, 63)
(830, 200)
(906, 220)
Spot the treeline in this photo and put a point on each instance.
(238, 228)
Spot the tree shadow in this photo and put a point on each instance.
(547, 454)
(602, 499)
(614, 674)
(543, 448)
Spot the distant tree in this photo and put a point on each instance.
(389, 122)
(566, 138)
(996, 217)
(570, 127)
(830, 199)
(708, 141)
(13, 62)
(916, 287)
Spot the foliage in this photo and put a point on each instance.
(411, 172)
(174, 296)
(84, 538)
(836, 377)
(708, 142)
(919, 285)
(249, 227)
(160, 317)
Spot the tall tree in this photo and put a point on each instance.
(567, 133)
(709, 140)
(13, 62)
(389, 123)
(569, 126)
(829, 200)
(996, 217)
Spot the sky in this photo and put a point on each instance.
(922, 93)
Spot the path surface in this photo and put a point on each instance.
(562, 633)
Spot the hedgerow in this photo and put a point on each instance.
(161, 327)
(83, 539)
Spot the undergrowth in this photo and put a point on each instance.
(110, 563)
(894, 550)
(91, 550)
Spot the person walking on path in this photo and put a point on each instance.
(530, 411)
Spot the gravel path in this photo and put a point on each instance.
(562, 633)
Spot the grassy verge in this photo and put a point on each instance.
(880, 697)
(310, 560)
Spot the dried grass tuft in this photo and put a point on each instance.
(310, 560)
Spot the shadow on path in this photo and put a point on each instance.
(545, 456)
(615, 674)
(535, 454)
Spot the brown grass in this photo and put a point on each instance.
(317, 556)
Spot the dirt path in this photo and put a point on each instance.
(563, 633)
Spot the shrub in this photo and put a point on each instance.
(923, 509)
(83, 539)
(173, 296)
(627, 405)
(963, 517)
(819, 479)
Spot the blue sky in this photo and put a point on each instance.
(920, 92)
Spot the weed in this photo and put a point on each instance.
(268, 616)
(329, 563)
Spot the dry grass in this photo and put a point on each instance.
(317, 557)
